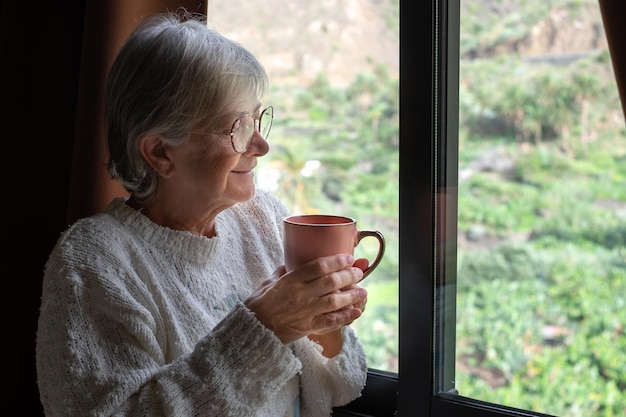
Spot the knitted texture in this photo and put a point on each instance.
(138, 319)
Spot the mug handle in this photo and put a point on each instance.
(381, 248)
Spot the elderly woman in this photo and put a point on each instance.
(174, 301)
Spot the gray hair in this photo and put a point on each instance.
(172, 75)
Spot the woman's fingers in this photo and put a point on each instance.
(359, 304)
(339, 300)
(315, 298)
(334, 320)
(328, 274)
(322, 266)
(362, 263)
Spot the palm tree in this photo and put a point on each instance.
(511, 107)
(292, 184)
(586, 87)
(556, 95)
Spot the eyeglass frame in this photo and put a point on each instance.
(257, 127)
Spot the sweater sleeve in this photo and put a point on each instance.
(99, 354)
(330, 382)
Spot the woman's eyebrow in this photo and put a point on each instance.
(255, 110)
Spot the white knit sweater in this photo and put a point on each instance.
(141, 320)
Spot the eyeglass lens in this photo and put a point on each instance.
(243, 129)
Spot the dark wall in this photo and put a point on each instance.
(44, 108)
(39, 62)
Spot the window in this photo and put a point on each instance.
(439, 363)
(434, 205)
(551, 292)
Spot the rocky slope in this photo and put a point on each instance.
(297, 39)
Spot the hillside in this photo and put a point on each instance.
(542, 30)
(296, 40)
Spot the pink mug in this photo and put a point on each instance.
(312, 236)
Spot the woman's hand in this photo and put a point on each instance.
(319, 297)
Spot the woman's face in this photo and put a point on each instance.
(211, 173)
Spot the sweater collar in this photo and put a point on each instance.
(178, 243)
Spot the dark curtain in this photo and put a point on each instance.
(53, 61)
(614, 17)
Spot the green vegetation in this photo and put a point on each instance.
(540, 321)
(542, 256)
(541, 305)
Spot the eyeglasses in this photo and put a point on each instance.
(242, 131)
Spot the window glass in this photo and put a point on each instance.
(333, 69)
(541, 244)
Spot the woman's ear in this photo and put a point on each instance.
(156, 153)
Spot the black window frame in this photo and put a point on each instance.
(429, 71)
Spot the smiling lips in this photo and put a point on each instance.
(243, 172)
